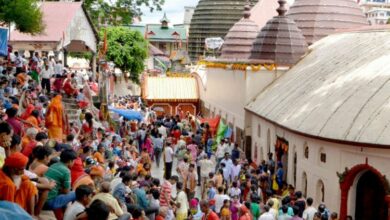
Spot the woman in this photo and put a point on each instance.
(87, 128)
(148, 145)
(235, 207)
(225, 210)
(33, 120)
(68, 86)
(244, 213)
(182, 203)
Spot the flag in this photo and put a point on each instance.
(3, 42)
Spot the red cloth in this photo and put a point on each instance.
(213, 123)
(16, 160)
(77, 170)
(27, 151)
(211, 216)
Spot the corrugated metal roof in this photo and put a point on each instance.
(57, 16)
(170, 89)
(339, 91)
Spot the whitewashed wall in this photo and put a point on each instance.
(338, 157)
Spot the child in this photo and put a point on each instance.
(225, 211)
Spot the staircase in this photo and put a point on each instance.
(72, 110)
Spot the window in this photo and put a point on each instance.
(322, 155)
(320, 197)
(259, 130)
(306, 151)
(304, 184)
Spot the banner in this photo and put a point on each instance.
(3, 42)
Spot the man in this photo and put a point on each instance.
(191, 182)
(105, 196)
(297, 210)
(219, 199)
(168, 153)
(158, 144)
(267, 215)
(59, 68)
(60, 173)
(284, 215)
(300, 203)
(40, 140)
(235, 170)
(208, 213)
(236, 153)
(162, 130)
(46, 74)
(200, 156)
(14, 185)
(120, 191)
(166, 191)
(309, 212)
(219, 154)
(18, 62)
(83, 198)
(55, 120)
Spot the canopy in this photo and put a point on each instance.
(128, 114)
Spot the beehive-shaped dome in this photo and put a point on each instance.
(320, 18)
(280, 40)
(239, 40)
(212, 18)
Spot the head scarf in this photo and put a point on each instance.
(16, 160)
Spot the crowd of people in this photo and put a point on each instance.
(164, 167)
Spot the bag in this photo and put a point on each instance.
(275, 185)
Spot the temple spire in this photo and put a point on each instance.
(282, 8)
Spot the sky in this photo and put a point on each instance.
(174, 10)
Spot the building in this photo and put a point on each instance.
(163, 36)
(378, 16)
(327, 120)
(318, 19)
(367, 5)
(171, 95)
(188, 13)
(230, 82)
(68, 29)
(212, 18)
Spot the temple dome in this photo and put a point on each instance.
(239, 40)
(212, 18)
(320, 18)
(280, 40)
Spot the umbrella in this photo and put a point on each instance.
(128, 114)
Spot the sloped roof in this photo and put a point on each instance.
(57, 16)
(170, 89)
(280, 40)
(239, 39)
(156, 33)
(263, 11)
(319, 18)
(339, 95)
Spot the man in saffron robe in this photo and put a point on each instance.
(14, 185)
(55, 120)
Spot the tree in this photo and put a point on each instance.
(118, 12)
(25, 14)
(127, 49)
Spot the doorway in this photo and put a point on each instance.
(370, 198)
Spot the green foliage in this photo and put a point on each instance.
(127, 49)
(25, 14)
(118, 12)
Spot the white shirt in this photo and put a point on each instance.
(219, 198)
(206, 166)
(163, 131)
(220, 151)
(58, 69)
(309, 212)
(234, 192)
(267, 216)
(73, 210)
(18, 61)
(46, 74)
(236, 170)
(168, 155)
(182, 199)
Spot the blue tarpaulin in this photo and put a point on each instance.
(3, 42)
(128, 114)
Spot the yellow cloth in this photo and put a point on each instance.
(54, 118)
(109, 200)
(2, 157)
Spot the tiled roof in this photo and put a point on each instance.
(156, 33)
(212, 18)
(239, 39)
(170, 89)
(57, 16)
(319, 18)
(280, 40)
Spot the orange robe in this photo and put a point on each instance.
(33, 121)
(99, 157)
(21, 196)
(55, 119)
